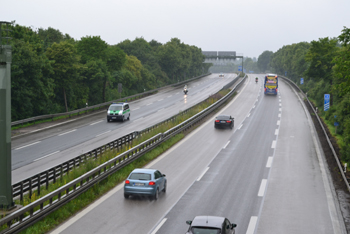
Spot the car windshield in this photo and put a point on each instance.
(115, 108)
(223, 117)
(140, 176)
(205, 230)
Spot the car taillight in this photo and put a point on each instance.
(228, 121)
(151, 183)
(217, 121)
(276, 89)
(127, 182)
(265, 89)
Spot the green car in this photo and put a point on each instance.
(118, 111)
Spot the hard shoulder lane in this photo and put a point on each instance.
(183, 164)
(55, 149)
(296, 199)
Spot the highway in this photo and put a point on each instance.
(267, 175)
(40, 150)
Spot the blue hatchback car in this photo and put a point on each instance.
(145, 182)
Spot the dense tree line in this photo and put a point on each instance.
(325, 66)
(52, 73)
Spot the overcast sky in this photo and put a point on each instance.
(248, 27)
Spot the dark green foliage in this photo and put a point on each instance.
(264, 61)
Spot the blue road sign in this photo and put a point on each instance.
(285, 73)
(327, 98)
(301, 80)
(239, 68)
(336, 124)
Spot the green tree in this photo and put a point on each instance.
(264, 60)
(65, 63)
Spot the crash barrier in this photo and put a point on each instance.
(324, 131)
(52, 116)
(33, 183)
(33, 212)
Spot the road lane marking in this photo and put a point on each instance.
(278, 122)
(280, 109)
(177, 93)
(159, 226)
(103, 133)
(96, 122)
(273, 144)
(240, 126)
(46, 156)
(253, 107)
(226, 144)
(252, 225)
(280, 104)
(200, 177)
(149, 104)
(269, 161)
(160, 100)
(160, 109)
(262, 188)
(66, 132)
(138, 119)
(170, 96)
(276, 132)
(279, 115)
(28, 145)
(248, 115)
(136, 108)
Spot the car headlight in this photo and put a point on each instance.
(120, 112)
(108, 112)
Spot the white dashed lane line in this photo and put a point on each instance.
(149, 104)
(46, 156)
(252, 225)
(269, 162)
(262, 188)
(96, 122)
(103, 133)
(276, 132)
(27, 145)
(200, 177)
(67, 132)
(240, 126)
(273, 144)
(160, 100)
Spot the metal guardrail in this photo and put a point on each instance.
(26, 216)
(33, 183)
(51, 116)
(324, 131)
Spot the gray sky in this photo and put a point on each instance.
(246, 26)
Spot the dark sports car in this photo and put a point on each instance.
(223, 121)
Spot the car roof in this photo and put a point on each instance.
(143, 170)
(223, 116)
(208, 221)
(118, 104)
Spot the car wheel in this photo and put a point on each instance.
(108, 120)
(123, 119)
(231, 126)
(156, 195)
(126, 196)
(129, 117)
(164, 189)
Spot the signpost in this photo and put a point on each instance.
(285, 73)
(336, 124)
(239, 68)
(6, 199)
(301, 80)
(327, 98)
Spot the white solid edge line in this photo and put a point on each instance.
(67, 132)
(273, 144)
(46, 156)
(226, 144)
(27, 145)
(276, 132)
(200, 177)
(262, 187)
(96, 122)
(87, 210)
(159, 226)
(269, 161)
(103, 133)
(252, 225)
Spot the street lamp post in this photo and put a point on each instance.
(6, 199)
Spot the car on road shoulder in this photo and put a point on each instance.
(221, 75)
(210, 225)
(224, 121)
(118, 111)
(145, 182)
